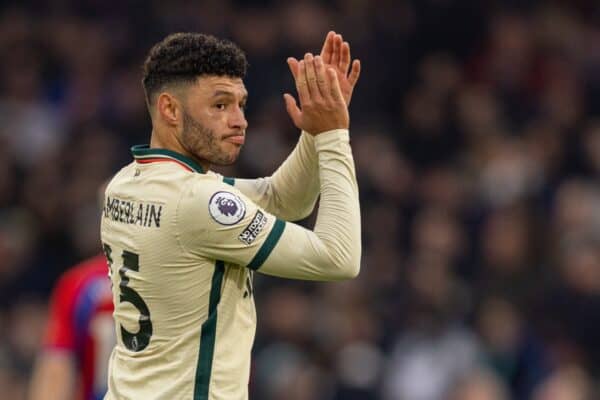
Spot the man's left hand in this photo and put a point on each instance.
(336, 54)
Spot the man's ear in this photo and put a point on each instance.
(168, 108)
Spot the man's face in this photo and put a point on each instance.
(214, 125)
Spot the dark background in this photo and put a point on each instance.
(476, 134)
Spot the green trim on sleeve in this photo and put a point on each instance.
(229, 181)
(208, 335)
(268, 245)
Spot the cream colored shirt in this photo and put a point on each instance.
(183, 244)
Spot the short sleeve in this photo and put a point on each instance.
(217, 221)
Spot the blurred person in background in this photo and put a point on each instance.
(79, 333)
(11, 381)
(433, 348)
(508, 348)
(79, 336)
(571, 320)
(479, 385)
(568, 382)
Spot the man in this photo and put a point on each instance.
(79, 336)
(182, 242)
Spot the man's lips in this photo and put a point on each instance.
(237, 139)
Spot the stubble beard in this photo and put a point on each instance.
(203, 143)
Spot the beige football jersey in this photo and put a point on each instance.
(183, 244)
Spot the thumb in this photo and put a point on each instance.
(292, 109)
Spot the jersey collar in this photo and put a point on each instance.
(143, 154)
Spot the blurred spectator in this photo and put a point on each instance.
(79, 336)
(515, 354)
(479, 385)
(424, 365)
(12, 380)
(567, 383)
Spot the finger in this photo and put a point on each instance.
(337, 45)
(336, 91)
(344, 65)
(327, 50)
(292, 109)
(322, 80)
(301, 84)
(293, 64)
(311, 77)
(354, 73)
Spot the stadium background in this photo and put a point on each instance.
(476, 133)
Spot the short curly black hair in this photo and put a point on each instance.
(183, 57)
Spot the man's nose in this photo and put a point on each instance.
(238, 119)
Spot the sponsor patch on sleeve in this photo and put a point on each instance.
(226, 208)
(250, 233)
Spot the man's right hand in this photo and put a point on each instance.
(322, 105)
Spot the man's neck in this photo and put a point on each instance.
(171, 142)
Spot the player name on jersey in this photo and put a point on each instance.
(132, 213)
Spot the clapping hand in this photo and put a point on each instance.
(322, 105)
(336, 54)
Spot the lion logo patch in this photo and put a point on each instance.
(226, 208)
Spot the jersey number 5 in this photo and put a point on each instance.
(131, 262)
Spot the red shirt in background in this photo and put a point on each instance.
(81, 323)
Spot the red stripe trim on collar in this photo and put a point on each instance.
(158, 159)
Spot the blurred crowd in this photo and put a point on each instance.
(476, 134)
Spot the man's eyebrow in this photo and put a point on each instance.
(218, 93)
